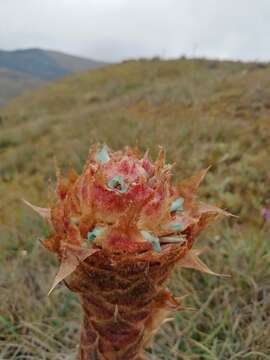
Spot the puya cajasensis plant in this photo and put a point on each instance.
(119, 229)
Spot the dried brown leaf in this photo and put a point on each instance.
(73, 257)
(192, 261)
(188, 187)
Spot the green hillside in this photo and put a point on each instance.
(13, 83)
(203, 113)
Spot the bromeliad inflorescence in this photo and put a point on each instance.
(119, 229)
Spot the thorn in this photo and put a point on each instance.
(43, 212)
(181, 298)
(160, 161)
(167, 320)
(57, 168)
(146, 271)
(146, 155)
(116, 313)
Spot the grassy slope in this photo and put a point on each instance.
(13, 83)
(203, 113)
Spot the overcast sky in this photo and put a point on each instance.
(113, 30)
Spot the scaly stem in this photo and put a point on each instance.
(123, 302)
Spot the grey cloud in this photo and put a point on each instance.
(116, 29)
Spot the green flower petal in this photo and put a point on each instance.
(117, 183)
(152, 239)
(94, 233)
(177, 204)
(102, 156)
(176, 227)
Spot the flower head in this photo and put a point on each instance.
(124, 203)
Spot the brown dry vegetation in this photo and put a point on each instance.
(203, 113)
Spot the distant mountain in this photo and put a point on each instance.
(23, 70)
(44, 64)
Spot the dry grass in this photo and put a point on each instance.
(203, 113)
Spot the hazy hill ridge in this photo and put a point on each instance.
(22, 70)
